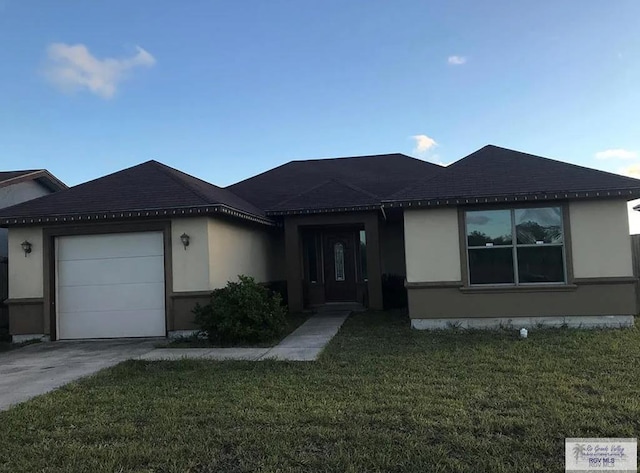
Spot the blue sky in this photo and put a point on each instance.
(227, 89)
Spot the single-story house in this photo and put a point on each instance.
(498, 237)
(20, 186)
(17, 187)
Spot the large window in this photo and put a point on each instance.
(515, 246)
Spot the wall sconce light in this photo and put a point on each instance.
(184, 238)
(26, 247)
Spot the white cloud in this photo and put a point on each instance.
(456, 60)
(73, 67)
(616, 154)
(631, 171)
(423, 143)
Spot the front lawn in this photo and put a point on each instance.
(382, 398)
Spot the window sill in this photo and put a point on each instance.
(515, 289)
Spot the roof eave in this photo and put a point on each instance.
(308, 211)
(189, 211)
(628, 194)
(53, 182)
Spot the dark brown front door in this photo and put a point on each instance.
(339, 266)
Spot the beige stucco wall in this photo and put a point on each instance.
(432, 251)
(16, 194)
(218, 251)
(25, 273)
(600, 239)
(236, 248)
(190, 266)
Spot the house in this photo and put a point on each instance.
(17, 187)
(499, 237)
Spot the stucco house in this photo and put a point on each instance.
(20, 186)
(17, 187)
(499, 237)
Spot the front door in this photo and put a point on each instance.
(339, 266)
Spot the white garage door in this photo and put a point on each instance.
(110, 285)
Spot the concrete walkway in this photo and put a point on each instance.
(304, 344)
(37, 369)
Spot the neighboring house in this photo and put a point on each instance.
(17, 187)
(499, 237)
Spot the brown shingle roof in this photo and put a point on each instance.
(493, 171)
(379, 175)
(147, 186)
(330, 195)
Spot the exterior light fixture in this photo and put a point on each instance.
(184, 238)
(26, 247)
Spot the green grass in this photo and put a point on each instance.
(294, 321)
(382, 398)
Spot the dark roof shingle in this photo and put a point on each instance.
(379, 175)
(330, 194)
(147, 186)
(495, 171)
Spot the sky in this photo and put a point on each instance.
(224, 90)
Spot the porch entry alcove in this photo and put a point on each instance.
(334, 265)
(333, 258)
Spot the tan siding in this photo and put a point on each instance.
(190, 266)
(25, 273)
(236, 248)
(432, 250)
(600, 239)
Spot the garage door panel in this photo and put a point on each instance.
(114, 297)
(112, 245)
(110, 286)
(143, 269)
(131, 323)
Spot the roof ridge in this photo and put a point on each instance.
(167, 171)
(417, 183)
(325, 182)
(302, 193)
(177, 175)
(553, 160)
(354, 187)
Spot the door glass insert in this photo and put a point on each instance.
(338, 254)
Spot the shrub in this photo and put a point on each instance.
(243, 311)
(278, 287)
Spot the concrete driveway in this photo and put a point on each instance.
(36, 369)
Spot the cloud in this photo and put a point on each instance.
(423, 143)
(616, 154)
(456, 60)
(73, 67)
(630, 171)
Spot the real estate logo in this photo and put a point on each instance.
(604, 454)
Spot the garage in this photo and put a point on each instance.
(110, 285)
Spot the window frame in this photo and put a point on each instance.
(512, 209)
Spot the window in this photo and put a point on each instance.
(363, 255)
(311, 257)
(515, 246)
(338, 252)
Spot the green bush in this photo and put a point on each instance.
(242, 312)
